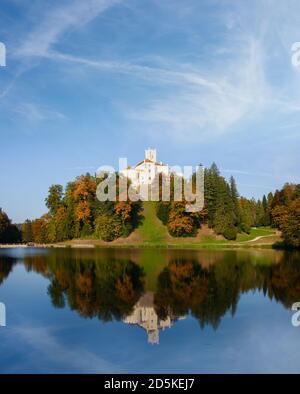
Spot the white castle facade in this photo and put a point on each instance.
(145, 172)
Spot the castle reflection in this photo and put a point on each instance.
(145, 316)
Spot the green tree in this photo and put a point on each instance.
(108, 227)
(235, 201)
(27, 231)
(225, 219)
(9, 233)
(211, 183)
(54, 199)
(4, 225)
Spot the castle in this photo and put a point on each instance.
(145, 171)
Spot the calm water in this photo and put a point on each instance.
(149, 311)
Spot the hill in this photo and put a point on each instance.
(152, 233)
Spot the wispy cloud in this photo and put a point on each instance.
(44, 35)
(33, 113)
(57, 21)
(201, 100)
(241, 172)
(43, 343)
(235, 92)
(197, 102)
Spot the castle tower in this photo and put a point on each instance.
(150, 154)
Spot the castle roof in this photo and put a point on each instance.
(150, 161)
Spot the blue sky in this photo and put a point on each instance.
(87, 82)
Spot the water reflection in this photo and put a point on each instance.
(105, 289)
(185, 286)
(145, 316)
(131, 287)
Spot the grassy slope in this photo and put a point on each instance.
(151, 230)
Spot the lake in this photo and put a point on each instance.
(149, 311)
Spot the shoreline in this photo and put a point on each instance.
(233, 246)
(270, 241)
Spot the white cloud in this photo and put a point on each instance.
(34, 113)
(43, 342)
(235, 91)
(197, 102)
(57, 21)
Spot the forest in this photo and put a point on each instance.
(75, 212)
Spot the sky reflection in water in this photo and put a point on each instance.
(149, 311)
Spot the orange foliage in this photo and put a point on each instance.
(180, 225)
(84, 186)
(123, 209)
(40, 229)
(279, 215)
(60, 214)
(82, 211)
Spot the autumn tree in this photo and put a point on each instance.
(290, 224)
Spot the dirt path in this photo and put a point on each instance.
(258, 238)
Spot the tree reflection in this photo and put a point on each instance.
(6, 266)
(184, 286)
(109, 285)
(106, 289)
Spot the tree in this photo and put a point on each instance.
(235, 201)
(108, 228)
(162, 211)
(54, 199)
(180, 225)
(246, 217)
(224, 218)
(290, 224)
(279, 215)
(40, 229)
(211, 181)
(9, 233)
(4, 225)
(26, 230)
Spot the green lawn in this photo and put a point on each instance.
(209, 239)
(255, 232)
(151, 229)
